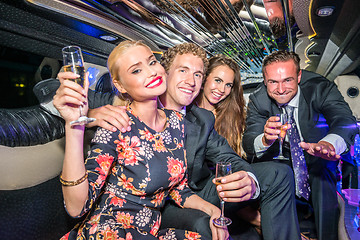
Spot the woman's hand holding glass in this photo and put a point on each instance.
(217, 232)
(73, 62)
(70, 96)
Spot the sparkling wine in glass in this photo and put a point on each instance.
(73, 62)
(284, 121)
(222, 169)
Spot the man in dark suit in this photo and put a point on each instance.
(186, 65)
(325, 123)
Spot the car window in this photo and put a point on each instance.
(20, 71)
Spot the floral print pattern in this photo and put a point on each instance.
(102, 136)
(130, 176)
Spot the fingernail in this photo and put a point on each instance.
(129, 122)
(219, 188)
(77, 75)
(221, 194)
(113, 129)
(128, 128)
(122, 129)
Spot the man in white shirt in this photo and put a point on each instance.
(324, 123)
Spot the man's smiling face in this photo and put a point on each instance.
(282, 80)
(184, 81)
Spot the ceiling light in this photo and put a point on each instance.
(325, 11)
(109, 38)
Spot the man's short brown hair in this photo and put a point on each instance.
(169, 55)
(281, 56)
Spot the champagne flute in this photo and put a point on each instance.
(222, 169)
(73, 62)
(284, 122)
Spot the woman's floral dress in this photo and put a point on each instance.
(130, 176)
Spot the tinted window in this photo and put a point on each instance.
(20, 71)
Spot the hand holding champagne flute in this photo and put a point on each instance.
(73, 62)
(222, 169)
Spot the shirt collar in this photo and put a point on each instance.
(295, 101)
(160, 105)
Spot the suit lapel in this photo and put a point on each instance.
(192, 133)
(268, 106)
(304, 116)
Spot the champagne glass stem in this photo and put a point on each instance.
(222, 205)
(280, 150)
(81, 112)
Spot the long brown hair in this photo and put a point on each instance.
(230, 112)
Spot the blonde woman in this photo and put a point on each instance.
(127, 176)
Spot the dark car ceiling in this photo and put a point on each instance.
(35, 29)
(335, 48)
(328, 45)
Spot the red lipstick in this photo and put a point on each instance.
(155, 82)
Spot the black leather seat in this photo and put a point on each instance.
(32, 209)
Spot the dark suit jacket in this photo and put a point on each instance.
(204, 147)
(322, 110)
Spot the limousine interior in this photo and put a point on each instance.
(325, 34)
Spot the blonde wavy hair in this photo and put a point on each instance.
(113, 64)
